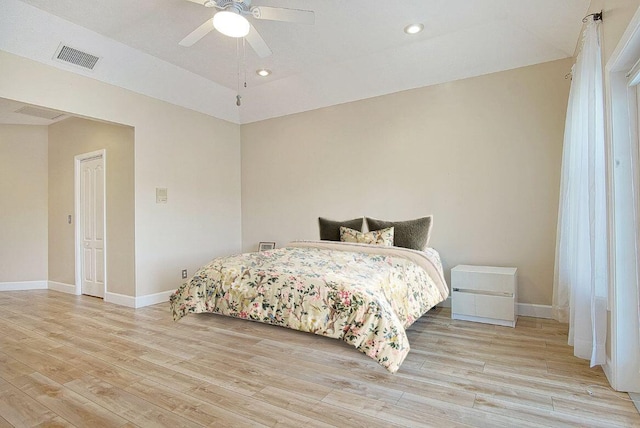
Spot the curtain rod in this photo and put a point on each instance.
(596, 17)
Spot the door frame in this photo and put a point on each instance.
(623, 369)
(78, 219)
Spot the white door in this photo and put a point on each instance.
(92, 225)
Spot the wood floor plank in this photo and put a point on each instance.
(249, 407)
(16, 333)
(148, 370)
(457, 382)
(186, 406)
(57, 422)
(381, 410)
(457, 414)
(275, 375)
(56, 370)
(215, 375)
(345, 413)
(540, 417)
(319, 374)
(78, 361)
(10, 368)
(554, 385)
(69, 405)
(127, 405)
(93, 365)
(432, 359)
(615, 416)
(5, 423)
(19, 410)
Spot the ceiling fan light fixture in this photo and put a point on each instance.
(413, 28)
(231, 24)
(263, 72)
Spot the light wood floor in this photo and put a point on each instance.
(73, 360)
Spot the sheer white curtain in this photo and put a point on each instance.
(580, 288)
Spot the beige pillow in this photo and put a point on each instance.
(377, 237)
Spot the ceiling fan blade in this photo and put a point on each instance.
(257, 43)
(197, 34)
(282, 14)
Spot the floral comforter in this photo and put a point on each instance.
(365, 295)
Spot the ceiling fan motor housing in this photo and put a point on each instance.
(238, 6)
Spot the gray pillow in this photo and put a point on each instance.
(330, 229)
(412, 234)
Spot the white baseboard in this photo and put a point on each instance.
(137, 302)
(62, 287)
(153, 299)
(115, 298)
(120, 299)
(523, 309)
(23, 285)
(535, 311)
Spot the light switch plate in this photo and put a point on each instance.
(161, 195)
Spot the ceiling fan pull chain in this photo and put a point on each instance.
(238, 97)
(244, 60)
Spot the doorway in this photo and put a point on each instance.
(90, 212)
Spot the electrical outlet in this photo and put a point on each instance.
(184, 274)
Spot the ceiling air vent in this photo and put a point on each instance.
(74, 56)
(39, 112)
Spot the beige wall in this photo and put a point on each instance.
(23, 203)
(482, 155)
(195, 156)
(67, 139)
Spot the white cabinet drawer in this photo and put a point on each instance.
(480, 305)
(502, 308)
(484, 278)
(463, 303)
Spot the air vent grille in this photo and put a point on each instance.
(39, 112)
(74, 56)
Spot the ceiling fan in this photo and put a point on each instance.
(230, 20)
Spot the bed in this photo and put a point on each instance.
(365, 295)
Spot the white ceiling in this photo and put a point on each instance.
(357, 48)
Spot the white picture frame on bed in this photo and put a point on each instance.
(264, 246)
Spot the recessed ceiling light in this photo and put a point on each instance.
(413, 28)
(263, 72)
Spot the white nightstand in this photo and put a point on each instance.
(484, 294)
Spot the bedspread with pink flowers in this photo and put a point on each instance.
(365, 295)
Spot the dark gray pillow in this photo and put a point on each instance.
(330, 229)
(412, 234)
